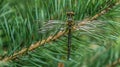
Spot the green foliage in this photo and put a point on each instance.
(94, 45)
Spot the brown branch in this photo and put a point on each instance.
(60, 64)
(33, 46)
(114, 64)
(52, 38)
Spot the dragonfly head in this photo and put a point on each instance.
(70, 13)
(70, 16)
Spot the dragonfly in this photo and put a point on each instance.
(70, 23)
(58, 25)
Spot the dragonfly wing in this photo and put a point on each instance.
(52, 25)
(91, 25)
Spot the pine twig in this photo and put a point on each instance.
(52, 38)
(33, 46)
(114, 64)
(60, 64)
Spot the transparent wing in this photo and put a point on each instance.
(91, 25)
(52, 25)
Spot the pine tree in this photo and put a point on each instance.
(33, 33)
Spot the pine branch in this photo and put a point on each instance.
(58, 35)
(114, 64)
(60, 64)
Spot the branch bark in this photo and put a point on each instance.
(114, 63)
